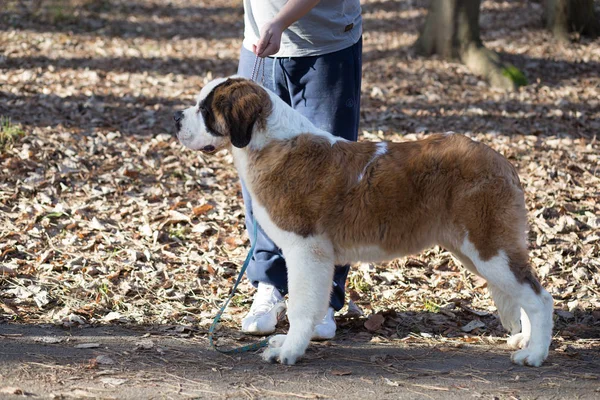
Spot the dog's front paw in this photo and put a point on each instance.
(271, 354)
(518, 341)
(277, 340)
(529, 356)
(277, 354)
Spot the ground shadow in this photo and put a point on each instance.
(340, 367)
(151, 115)
(510, 117)
(139, 115)
(195, 66)
(132, 20)
(551, 72)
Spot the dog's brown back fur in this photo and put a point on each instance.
(431, 191)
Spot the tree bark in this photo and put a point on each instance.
(564, 16)
(451, 30)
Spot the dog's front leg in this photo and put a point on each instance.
(310, 268)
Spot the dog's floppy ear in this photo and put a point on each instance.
(243, 105)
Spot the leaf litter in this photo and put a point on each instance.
(106, 219)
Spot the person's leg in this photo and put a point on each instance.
(268, 264)
(326, 89)
(267, 269)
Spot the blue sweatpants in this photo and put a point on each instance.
(325, 89)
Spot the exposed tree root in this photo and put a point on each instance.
(451, 30)
(562, 17)
(486, 63)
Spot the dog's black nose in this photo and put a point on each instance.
(178, 116)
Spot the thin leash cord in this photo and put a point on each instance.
(260, 63)
(211, 331)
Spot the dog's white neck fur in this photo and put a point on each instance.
(285, 123)
(282, 124)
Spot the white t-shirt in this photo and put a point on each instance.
(330, 26)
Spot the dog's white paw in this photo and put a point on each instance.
(277, 340)
(279, 352)
(518, 341)
(271, 354)
(529, 356)
(281, 355)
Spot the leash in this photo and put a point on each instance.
(211, 330)
(260, 62)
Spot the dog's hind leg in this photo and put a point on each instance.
(509, 311)
(310, 266)
(518, 293)
(520, 340)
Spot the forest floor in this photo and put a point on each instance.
(117, 245)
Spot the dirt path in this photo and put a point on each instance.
(133, 363)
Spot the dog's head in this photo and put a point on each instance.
(227, 112)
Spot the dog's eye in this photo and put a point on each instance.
(202, 108)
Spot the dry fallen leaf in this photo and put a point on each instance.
(87, 345)
(390, 382)
(114, 316)
(113, 381)
(104, 360)
(6, 271)
(12, 390)
(203, 209)
(473, 325)
(341, 372)
(145, 344)
(50, 339)
(374, 322)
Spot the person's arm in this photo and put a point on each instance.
(270, 33)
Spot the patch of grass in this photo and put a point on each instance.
(178, 232)
(97, 5)
(358, 283)
(58, 15)
(178, 174)
(9, 132)
(515, 75)
(430, 306)
(104, 289)
(16, 318)
(60, 12)
(239, 300)
(52, 215)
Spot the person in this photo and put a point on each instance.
(312, 59)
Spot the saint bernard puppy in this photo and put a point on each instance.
(326, 201)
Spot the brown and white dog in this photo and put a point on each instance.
(326, 202)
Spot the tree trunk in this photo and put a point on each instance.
(564, 16)
(451, 30)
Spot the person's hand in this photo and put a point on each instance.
(270, 39)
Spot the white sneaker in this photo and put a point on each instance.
(326, 328)
(267, 309)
